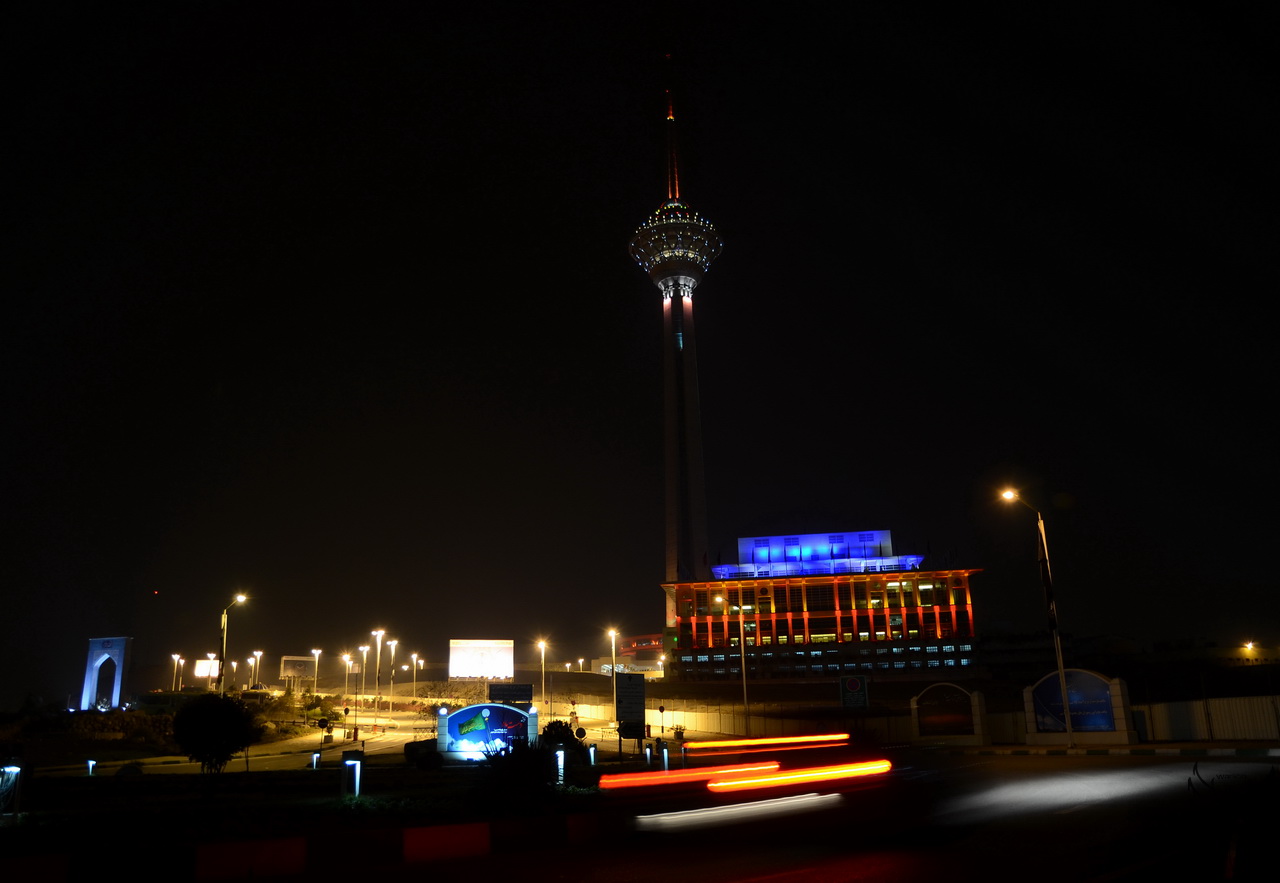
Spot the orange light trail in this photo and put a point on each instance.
(673, 777)
(777, 740)
(798, 777)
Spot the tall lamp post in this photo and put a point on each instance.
(542, 648)
(392, 698)
(346, 676)
(212, 657)
(613, 670)
(175, 657)
(233, 664)
(238, 599)
(742, 651)
(580, 661)
(414, 658)
(182, 670)
(364, 664)
(315, 681)
(257, 666)
(1051, 607)
(377, 673)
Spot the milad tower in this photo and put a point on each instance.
(675, 246)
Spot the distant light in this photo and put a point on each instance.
(1248, 645)
(1010, 495)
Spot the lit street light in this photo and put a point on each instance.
(182, 669)
(212, 657)
(346, 657)
(238, 599)
(315, 683)
(257, 668)
(174, 688)
(364, 664)
(1046, 578)
(580, 661)
(377, 673)
(391, 701)
(416, 662)
(542, 648)
(613, 671)
(742, 651)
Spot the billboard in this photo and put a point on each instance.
(481, 659)
(481, 730)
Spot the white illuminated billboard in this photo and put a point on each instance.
(481, 659)
(206, 668)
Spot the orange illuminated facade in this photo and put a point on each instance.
(875, 621)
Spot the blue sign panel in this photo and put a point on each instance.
(481, 730)
(1090, 699)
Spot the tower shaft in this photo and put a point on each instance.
(686, 494)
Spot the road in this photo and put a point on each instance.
(973, 817)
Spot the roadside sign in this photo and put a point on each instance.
(853, 692)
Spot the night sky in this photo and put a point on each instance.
(332, 305)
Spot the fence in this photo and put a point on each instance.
(1245, 718)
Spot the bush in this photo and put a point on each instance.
(211, 729)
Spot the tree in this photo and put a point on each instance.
(210, 729)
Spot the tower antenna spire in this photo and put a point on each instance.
(673, 169)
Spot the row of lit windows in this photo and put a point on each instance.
(960, 662)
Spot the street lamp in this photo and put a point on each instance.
(377, 673)
(234, 664)
(1051, 607)
(742, 652)
(182, 668)
(580, 661)
(364, 664)
(212, 657)
(613, 671)
(174, 688)
(346, 677)
(542, 648)
(416, 663)
(238, 599)
(257, 667)
(315, 683)
(392, 699)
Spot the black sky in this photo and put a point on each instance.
(333, 304)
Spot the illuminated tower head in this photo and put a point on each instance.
(675, 246)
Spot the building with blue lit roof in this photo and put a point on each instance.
(820, 605)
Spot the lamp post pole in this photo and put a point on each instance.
(414, 658)
(542, 648)
(346, 676)
(212, 657)
(392, 690)
(182, 670)
(1051, 608)
(257, 666)
(613, 670)
(364, 664)
(315, 681)
(174, 688)
(377, 673)
(238, 599)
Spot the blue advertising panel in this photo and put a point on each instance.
(1090, 696)
(480, 730)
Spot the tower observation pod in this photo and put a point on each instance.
(675, 246)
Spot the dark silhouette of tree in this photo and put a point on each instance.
(210, 729)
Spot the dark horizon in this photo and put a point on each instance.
(339, 312)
